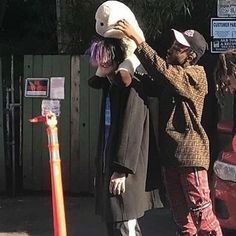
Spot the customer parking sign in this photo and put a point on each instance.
(223, 34)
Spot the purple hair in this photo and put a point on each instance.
(107, 50)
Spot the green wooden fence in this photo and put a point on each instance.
(77, 126)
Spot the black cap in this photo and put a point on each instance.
(192, 39)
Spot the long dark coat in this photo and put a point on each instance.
(127, 151)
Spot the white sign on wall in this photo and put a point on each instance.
(223, 33)
(57, 87)
(50, 106)
(226, 8)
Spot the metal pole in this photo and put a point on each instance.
(20, 114)
(12, 107)
(8, 162)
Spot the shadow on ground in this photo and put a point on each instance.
(32, 216)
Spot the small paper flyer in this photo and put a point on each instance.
(57, 87)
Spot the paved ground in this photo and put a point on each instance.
(32, 216)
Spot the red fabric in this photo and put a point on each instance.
(225, 127)
(188, 190)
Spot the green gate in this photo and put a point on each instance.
(77, 126)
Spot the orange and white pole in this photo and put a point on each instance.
(59, 222)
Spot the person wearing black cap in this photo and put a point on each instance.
(181, 86)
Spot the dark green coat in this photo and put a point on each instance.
(127, 151)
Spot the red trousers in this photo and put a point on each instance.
(189, 197)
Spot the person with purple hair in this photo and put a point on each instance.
(124, 186)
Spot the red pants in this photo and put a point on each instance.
(190, 202)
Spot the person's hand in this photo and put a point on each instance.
(129, 31)
(103, 71)
(117, 183)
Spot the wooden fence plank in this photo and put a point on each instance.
(61, 68)
(94, 118)
(84, 125)
(2, 153)
(38, 130)
(46, 176)
(75, 119)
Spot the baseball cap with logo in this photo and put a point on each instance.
(192, 39)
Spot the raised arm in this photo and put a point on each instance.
(185, 81)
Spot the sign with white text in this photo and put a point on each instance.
(36, 87)
(223, 34)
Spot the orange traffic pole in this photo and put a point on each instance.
(56, 181)
(59, 222)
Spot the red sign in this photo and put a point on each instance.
(36, 87)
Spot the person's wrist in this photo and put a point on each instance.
(138, 40)
(119, 175)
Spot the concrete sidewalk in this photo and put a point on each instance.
(32, 216)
